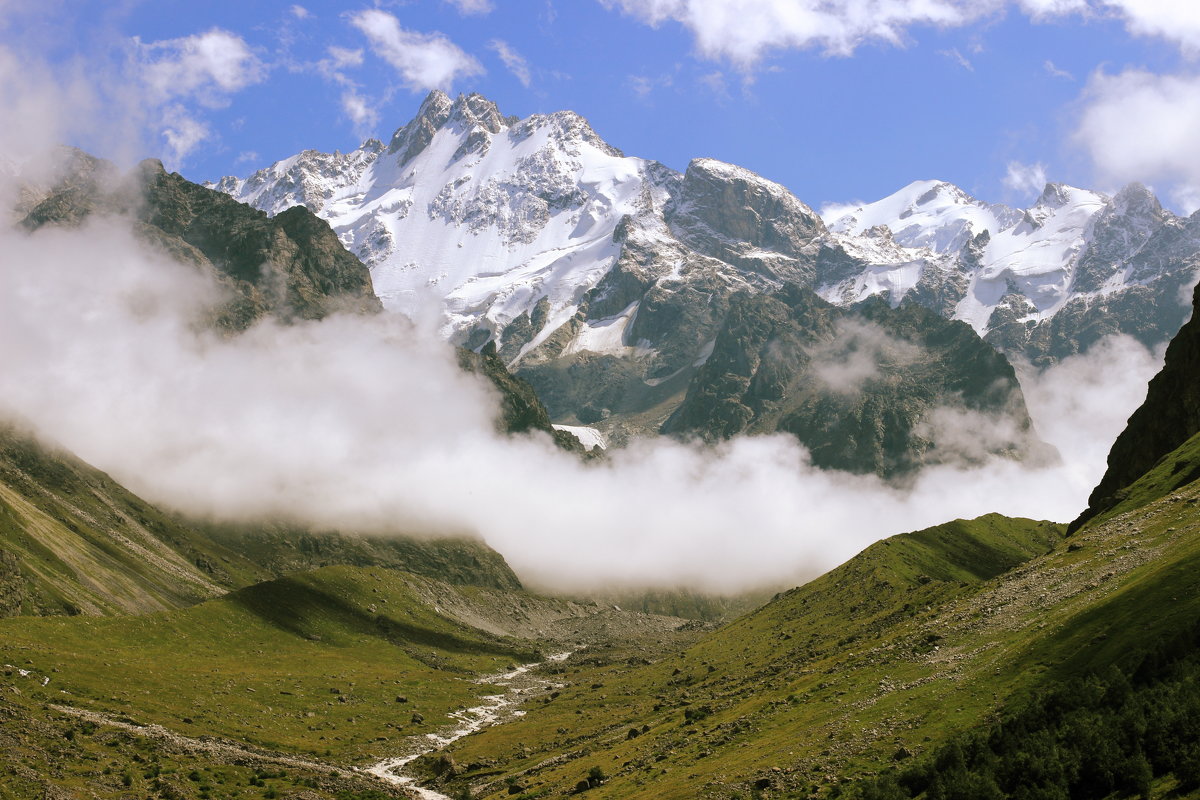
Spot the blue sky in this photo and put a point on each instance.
(838, 101)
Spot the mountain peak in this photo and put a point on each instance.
(1137, 199)
(935, 191)
(411, 139)
(476, 110)
(1058, 195)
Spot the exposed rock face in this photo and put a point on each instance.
(604, 280)
(521, 410)
(869, 389)
(743, 219)
(291, 266)
(1168, 418)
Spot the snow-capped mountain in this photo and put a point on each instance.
(1071, 246)
(485, 213)
(605, 279)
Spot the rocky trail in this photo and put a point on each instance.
(520, 683)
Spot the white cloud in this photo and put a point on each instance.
(207, 66)
(1139, 126)
(204, 69)
(423, 60)
(515, 62)
(1054, 71)
(1186, 198)
(300, 12)
(360, 112)
(248, 157)
(338, 59)
(367, 423)
(182, 133)
(1025, 179)
(1175, 20)
(358, 108)
(832, 211)
(955, 55)
(743, 32)
(1041, 9)
(854, 356)
(643, 86)
(472, 6)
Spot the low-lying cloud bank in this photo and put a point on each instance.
(367, 423)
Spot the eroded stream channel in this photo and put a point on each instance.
(519, 684)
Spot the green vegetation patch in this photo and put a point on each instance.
(341, 663)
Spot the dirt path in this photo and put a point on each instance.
(218, 749)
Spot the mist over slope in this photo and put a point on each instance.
(368, 422)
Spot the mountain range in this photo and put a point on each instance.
(606, 280)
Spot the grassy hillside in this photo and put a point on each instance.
(807, 684)
(308, 663)
(1173, 471)
(73, 541)
(316, 671)
(916, 641)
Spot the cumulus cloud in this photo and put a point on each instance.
(207, 66)
(744, 32)
(1139, 126)
(1167, 19)
(513, 60)
(423, 60)
(361, 113)
(1024, 179)
(204, 69)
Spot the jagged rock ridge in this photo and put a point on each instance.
(605, 280)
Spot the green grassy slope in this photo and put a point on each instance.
(336, 667)
(310, 663)
(809, 684)
(1173, 471)
(917, 640)
(72, 540)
